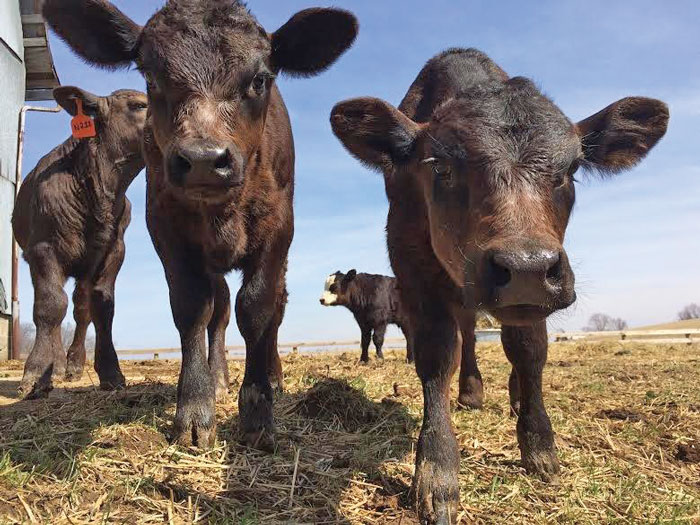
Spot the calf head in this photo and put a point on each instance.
(119, 117)
(335, 292)
(494, 166)
(210, 69)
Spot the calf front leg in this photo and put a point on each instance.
(81, 314)
(365, 339)
(192, 302)
(259, 308)
(102, 312)
(50, 305)
(217, 336)
(471, 387)
(378, 339)
(435, 484)
(526, 349)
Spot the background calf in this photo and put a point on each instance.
(375, 302)
(69, 220)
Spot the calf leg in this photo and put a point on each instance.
(365, 339)
(274, 365)
(378, 339)
(471, 388)
(526, 348)
(217, 336)
(192, 301)
(50, 304)
(514, 393)
(259, 307)
(81, 314)
(102, 312)
(437, 457)
(409, 345)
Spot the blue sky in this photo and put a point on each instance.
(633, 240)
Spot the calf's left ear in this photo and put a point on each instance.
(375, 132)
(66, 97)
(620, 136)
(312, 40)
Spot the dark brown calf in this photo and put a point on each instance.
(70, 218)
(479, 170)
(374, 301)
(220, 160)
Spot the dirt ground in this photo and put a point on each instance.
(627, 420)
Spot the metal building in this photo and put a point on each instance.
(27, 73)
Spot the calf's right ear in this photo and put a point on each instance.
(96, 30)
(66, 97)
(375, 132)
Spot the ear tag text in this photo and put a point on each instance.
(83, 127)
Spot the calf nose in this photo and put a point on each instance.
(202, 163)
(322, 301)
(525, 276)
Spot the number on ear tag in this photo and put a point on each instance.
(83, 127)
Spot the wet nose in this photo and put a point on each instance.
(525, 276)
(202, 163)
(322, 301)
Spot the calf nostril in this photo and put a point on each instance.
(223, 161)
(554, 272)
(500, 275)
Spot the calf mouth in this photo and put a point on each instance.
(521, 314)
(527, 314)
(209, 192)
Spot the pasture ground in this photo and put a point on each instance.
(627, 420)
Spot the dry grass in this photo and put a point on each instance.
(627, 422)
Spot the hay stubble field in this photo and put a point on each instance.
(626, 417)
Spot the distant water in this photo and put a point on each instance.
(481, 336)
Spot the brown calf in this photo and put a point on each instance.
(220, 160)
(70, 218)
(479, 170)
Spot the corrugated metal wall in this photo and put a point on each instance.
(12, 75)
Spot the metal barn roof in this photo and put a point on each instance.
(41, 73)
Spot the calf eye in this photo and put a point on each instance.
(138, 106)
(562, 180)
(443, 172)
(259, 84)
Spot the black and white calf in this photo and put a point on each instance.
(374, 301)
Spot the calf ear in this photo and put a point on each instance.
(67, 95)
(620, 136)
(96, 30)
(312, 40)
(374, 131)
(350, 275)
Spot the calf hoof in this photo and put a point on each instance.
(114, 381)
(195, 425)
(73, 373)
(515, 409)
(436, 492)
(195, 435)
(221, 393)
(470, 400)
(380, 355)
(277, 383)
(221, 390)
(33, 387)
(255, 409)
(539, 458)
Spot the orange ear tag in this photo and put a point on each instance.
(83, 126)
